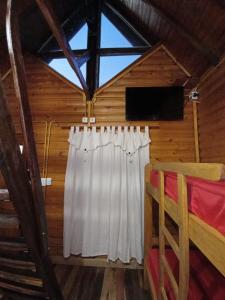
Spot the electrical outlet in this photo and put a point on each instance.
(85, 120)
(92, 119)
(48, 181)
(43, 181)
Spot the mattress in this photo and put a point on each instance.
(206, 198)
(205, 282)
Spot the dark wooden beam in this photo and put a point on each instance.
(220, 3)
(84, 54)
(123, 51)
(199, 45)
(20, 85)
(93, 17)
(58, 33)
(124, 26)
(71, 25)
(130, 18)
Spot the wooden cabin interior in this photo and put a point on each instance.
(68, 66)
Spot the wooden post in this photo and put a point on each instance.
(93, 13)
(161, 235)
(196, 135)
(183, 237)
(147, 225)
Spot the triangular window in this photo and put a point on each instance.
(116, 42)
(62, 66)
(111, 36)
(110, 66)
(79, 40)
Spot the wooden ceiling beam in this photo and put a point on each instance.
(123, 51)
(125, 28)
(93, 18)
(130, 18)
(70, 25)
(205, 50)
(58, 33)
(84, 54)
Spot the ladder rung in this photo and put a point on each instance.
(171, 277)
(4, 194)
(13, 246)
(163, 293)
(12, 296)
(9, 221)
(22, 288)
(7, 207)
(171, 242)
(34, 281)
(20, 264)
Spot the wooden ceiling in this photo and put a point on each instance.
(193, 30)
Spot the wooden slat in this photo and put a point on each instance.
(20, 264)
(211, 114)
(171, 242)
(183, 236)
(161, 226)
(33, 281)
(207, 171)
(171, 278)
(198, 44)
(200, 233)
(209, 240)
(22, 289)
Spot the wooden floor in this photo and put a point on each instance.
(91, 283)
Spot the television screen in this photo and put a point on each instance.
(154, 103)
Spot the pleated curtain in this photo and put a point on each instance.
(104, 193)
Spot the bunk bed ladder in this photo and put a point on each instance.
(181, 249)
(23, 182)
(26, 271)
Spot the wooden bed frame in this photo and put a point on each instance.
(207, 239)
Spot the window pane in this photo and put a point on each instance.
(110, 35)
(112, 65)
(62, 66)
(79, 40)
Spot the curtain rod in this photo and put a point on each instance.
(110, 125)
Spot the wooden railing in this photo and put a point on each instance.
(24, 183)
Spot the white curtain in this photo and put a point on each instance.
(104, 192)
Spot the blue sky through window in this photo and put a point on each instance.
(109, 65)
(79, 40)
(62, 66)
(110, 35)
(112, 65)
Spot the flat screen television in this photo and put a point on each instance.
(154, 103)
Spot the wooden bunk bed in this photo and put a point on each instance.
(178, 188)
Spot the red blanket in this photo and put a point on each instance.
(205, 283)
(206, 198)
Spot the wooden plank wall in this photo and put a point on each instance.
(172, 141)
(211, 113)
(56, 104)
